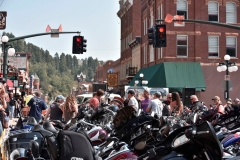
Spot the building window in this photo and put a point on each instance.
(182, 8)
(151, 50)
(159, 10)
(231, 16)
(144, 27)
(182, 46)
(213, 46)
(144, 54)
(213, 11)
(159, 53)
(231, 46)
(151, 18)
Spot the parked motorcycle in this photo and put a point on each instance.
(189, 142)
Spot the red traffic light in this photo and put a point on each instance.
(78, 39)
(161, 29)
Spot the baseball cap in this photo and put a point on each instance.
(236, 100)
(60, 97)
(131, 92)
(216, 98)
(157, 94)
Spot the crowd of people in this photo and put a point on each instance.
(32, 105)
(63, 109)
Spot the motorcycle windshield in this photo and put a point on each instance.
(209, 141)
(205, 141)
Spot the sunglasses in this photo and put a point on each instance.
(169, 97)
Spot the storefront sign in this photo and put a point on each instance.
(112, 79)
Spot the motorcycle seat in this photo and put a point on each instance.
(31, 121)
(40, 129)
(49, 127)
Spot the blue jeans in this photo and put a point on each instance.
(11, 111)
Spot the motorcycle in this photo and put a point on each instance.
(189, 142)
(60, 145)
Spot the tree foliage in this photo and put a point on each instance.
(57, 73)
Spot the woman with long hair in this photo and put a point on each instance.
(3, 104)
(69, 108)
(176, 106)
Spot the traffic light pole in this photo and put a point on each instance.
(205, 22)
(5, 46)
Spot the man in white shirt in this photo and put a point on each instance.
(155, 105)
(132, 100)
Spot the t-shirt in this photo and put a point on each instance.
(156, 106)
(37, 105)
(145, 104)
(133, 102)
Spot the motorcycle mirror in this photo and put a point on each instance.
(195, 118)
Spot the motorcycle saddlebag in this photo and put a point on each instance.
(75, 145)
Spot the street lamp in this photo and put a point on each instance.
(11, 52)
(228, 67)
(141, 80)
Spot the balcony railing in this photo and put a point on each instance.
(131, 71)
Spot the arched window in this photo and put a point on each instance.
(231, 16)
(182, 8)
(213, 11)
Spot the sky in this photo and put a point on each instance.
(97, 21)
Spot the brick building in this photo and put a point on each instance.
(199, 47)
(129, 14)
(193, 42)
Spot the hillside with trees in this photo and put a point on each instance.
(57, 73)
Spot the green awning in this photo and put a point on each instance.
(173, 75)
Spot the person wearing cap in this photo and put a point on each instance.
(155, 105)
(54, 111)
(217, 105)
(145, 102)
(236, 101)
(132, 101)
(228, 106)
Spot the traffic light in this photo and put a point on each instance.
(151, 36)
(161, 36)
(77, 45)
(84, 45)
